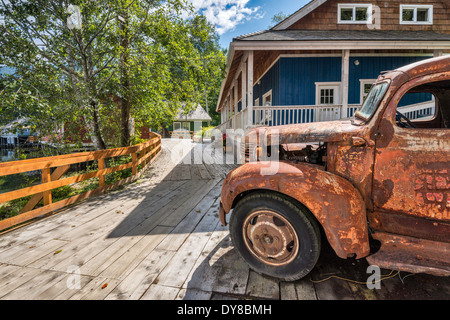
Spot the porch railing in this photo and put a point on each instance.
(419, 110)
(282, 115)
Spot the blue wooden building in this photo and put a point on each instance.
(320, 63)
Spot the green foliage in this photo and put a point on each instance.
(140, 52)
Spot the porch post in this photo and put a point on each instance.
(437, 53)
(244, 95)
(250, 89)
(344, 81)
(236, 97)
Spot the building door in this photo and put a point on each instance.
(328, 96)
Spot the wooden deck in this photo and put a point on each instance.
(160, 238)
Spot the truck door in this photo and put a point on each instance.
(411, 185)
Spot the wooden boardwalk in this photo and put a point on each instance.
(160, 238)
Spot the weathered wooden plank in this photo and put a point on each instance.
(139, 280)
(287, 291)
(159, 292)
(23, 255)
(179, 234)
(6, 270)
(262, 287)
(193, 294)
(34, 286)
(97, 289)
(120, 268)
(16, 279)
(66, 287)
(305, 289)
(118, 241)
(181, 264)
(204, 173)
(209, 264)
(195, 195)
(233, 275)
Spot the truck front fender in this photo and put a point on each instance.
(334, 201)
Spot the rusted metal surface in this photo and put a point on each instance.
(412, 254)
(270, 237)
(333, 200)
(374, 171)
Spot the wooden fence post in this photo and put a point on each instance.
(101, 166)
(46, 177)
(134, 163)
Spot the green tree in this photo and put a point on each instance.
(109, 64)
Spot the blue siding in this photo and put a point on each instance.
(270, 81)
(292, 80)
(370, 68)
(299, 75)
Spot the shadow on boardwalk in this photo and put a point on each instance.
(224, 275)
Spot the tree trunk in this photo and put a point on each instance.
(125, 105)
(93, 126)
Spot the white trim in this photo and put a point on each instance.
(336, 86)
(176, 122)
(415, 7)
(265, 95)
(354, 6)
(257, 103)
(362, 83)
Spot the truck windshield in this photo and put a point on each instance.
(373, 99)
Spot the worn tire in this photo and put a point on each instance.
(296, 223)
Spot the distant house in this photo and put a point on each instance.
(14, 133)
(187, 121)
(320, 62)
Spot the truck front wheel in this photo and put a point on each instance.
(275, 236)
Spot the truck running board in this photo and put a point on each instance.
(413, 255)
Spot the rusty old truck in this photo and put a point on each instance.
(375, 186)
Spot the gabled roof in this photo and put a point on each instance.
(309, 7)
(341, 35)
(197, 114)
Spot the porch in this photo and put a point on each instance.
(273, 81)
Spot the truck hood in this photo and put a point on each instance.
(331, 131)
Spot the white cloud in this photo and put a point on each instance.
(226, 14)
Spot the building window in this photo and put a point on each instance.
(176, 126)
(366, 85)
(416, 14)
(355, 13)
(328, 93)
(327, 96)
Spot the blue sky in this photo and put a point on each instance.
(237, 17)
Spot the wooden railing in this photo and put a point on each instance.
(282, 115)
(53, 168)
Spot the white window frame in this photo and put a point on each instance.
(179, 123)
(363, 82)
(264, 98)
(353, 6)
(336, 86)
(415, 7)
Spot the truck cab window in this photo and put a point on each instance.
(425, 106)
